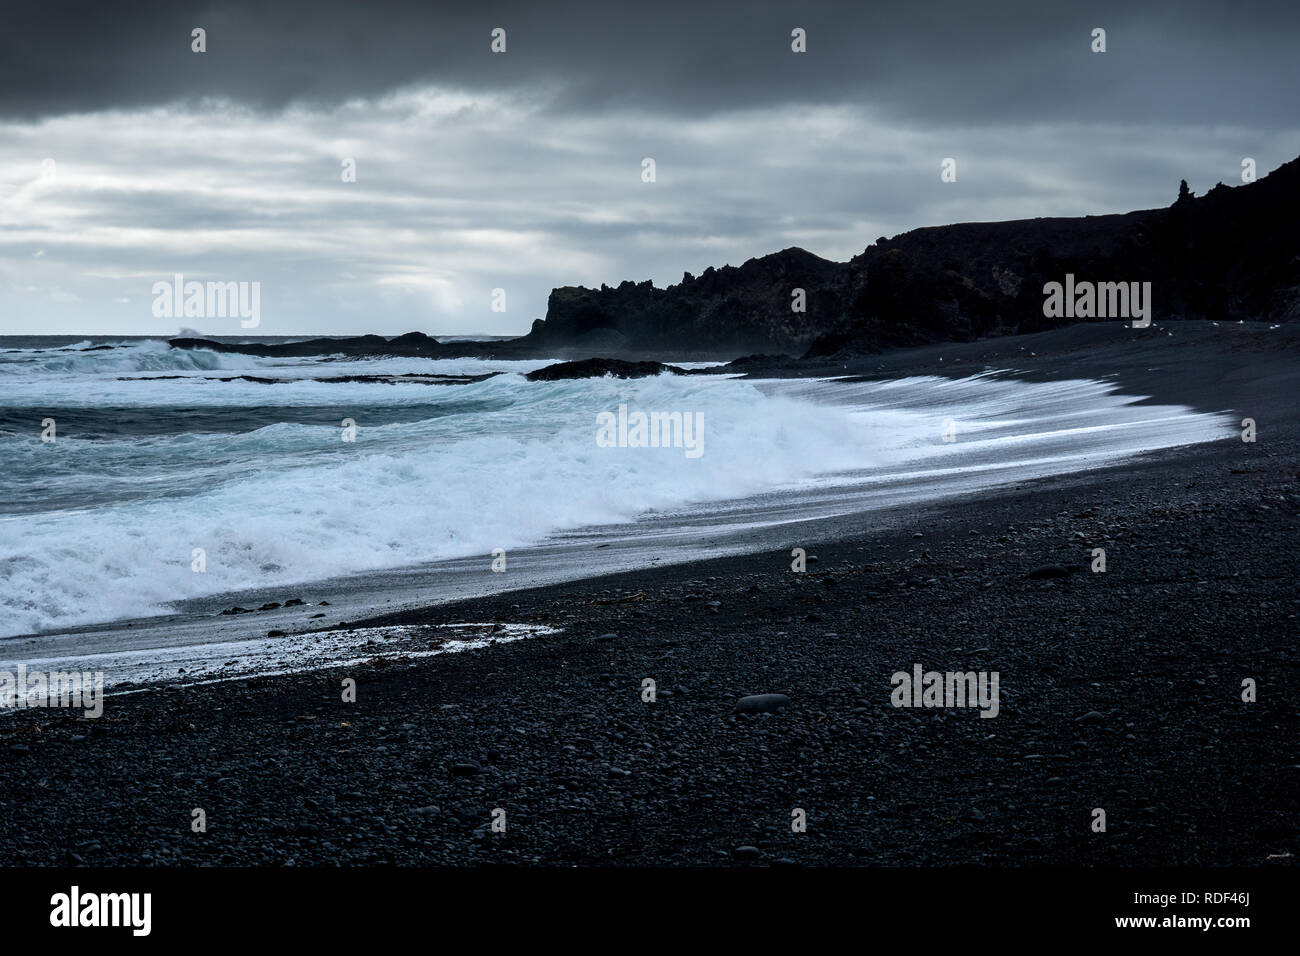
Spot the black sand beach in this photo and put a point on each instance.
(1119, 690)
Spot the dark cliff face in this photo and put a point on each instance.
(1231, 254)
(735, 309)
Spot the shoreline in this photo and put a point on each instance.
(1119, 690)
(1020, 432)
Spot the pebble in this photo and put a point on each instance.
(762, 704)
(1048, 571)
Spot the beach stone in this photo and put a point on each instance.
(762, 704)
(1049, 571)
(747, 853)
(605, 638)
(466, 768)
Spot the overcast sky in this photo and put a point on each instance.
(523, 170)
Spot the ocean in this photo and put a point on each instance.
(166, 478)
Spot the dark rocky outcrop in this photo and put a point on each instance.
(1231, 254)
(597, 367)
(731, 311)
(412, 344)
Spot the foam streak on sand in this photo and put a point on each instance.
(122, 672)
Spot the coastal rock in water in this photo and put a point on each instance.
(598, 367)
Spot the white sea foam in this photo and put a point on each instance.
(267, 656)
(505, 464)
(148, 355)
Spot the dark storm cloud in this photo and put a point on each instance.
(125, 158)
(956, 61)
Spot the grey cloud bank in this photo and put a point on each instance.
(521, 171)
(1193, 61)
